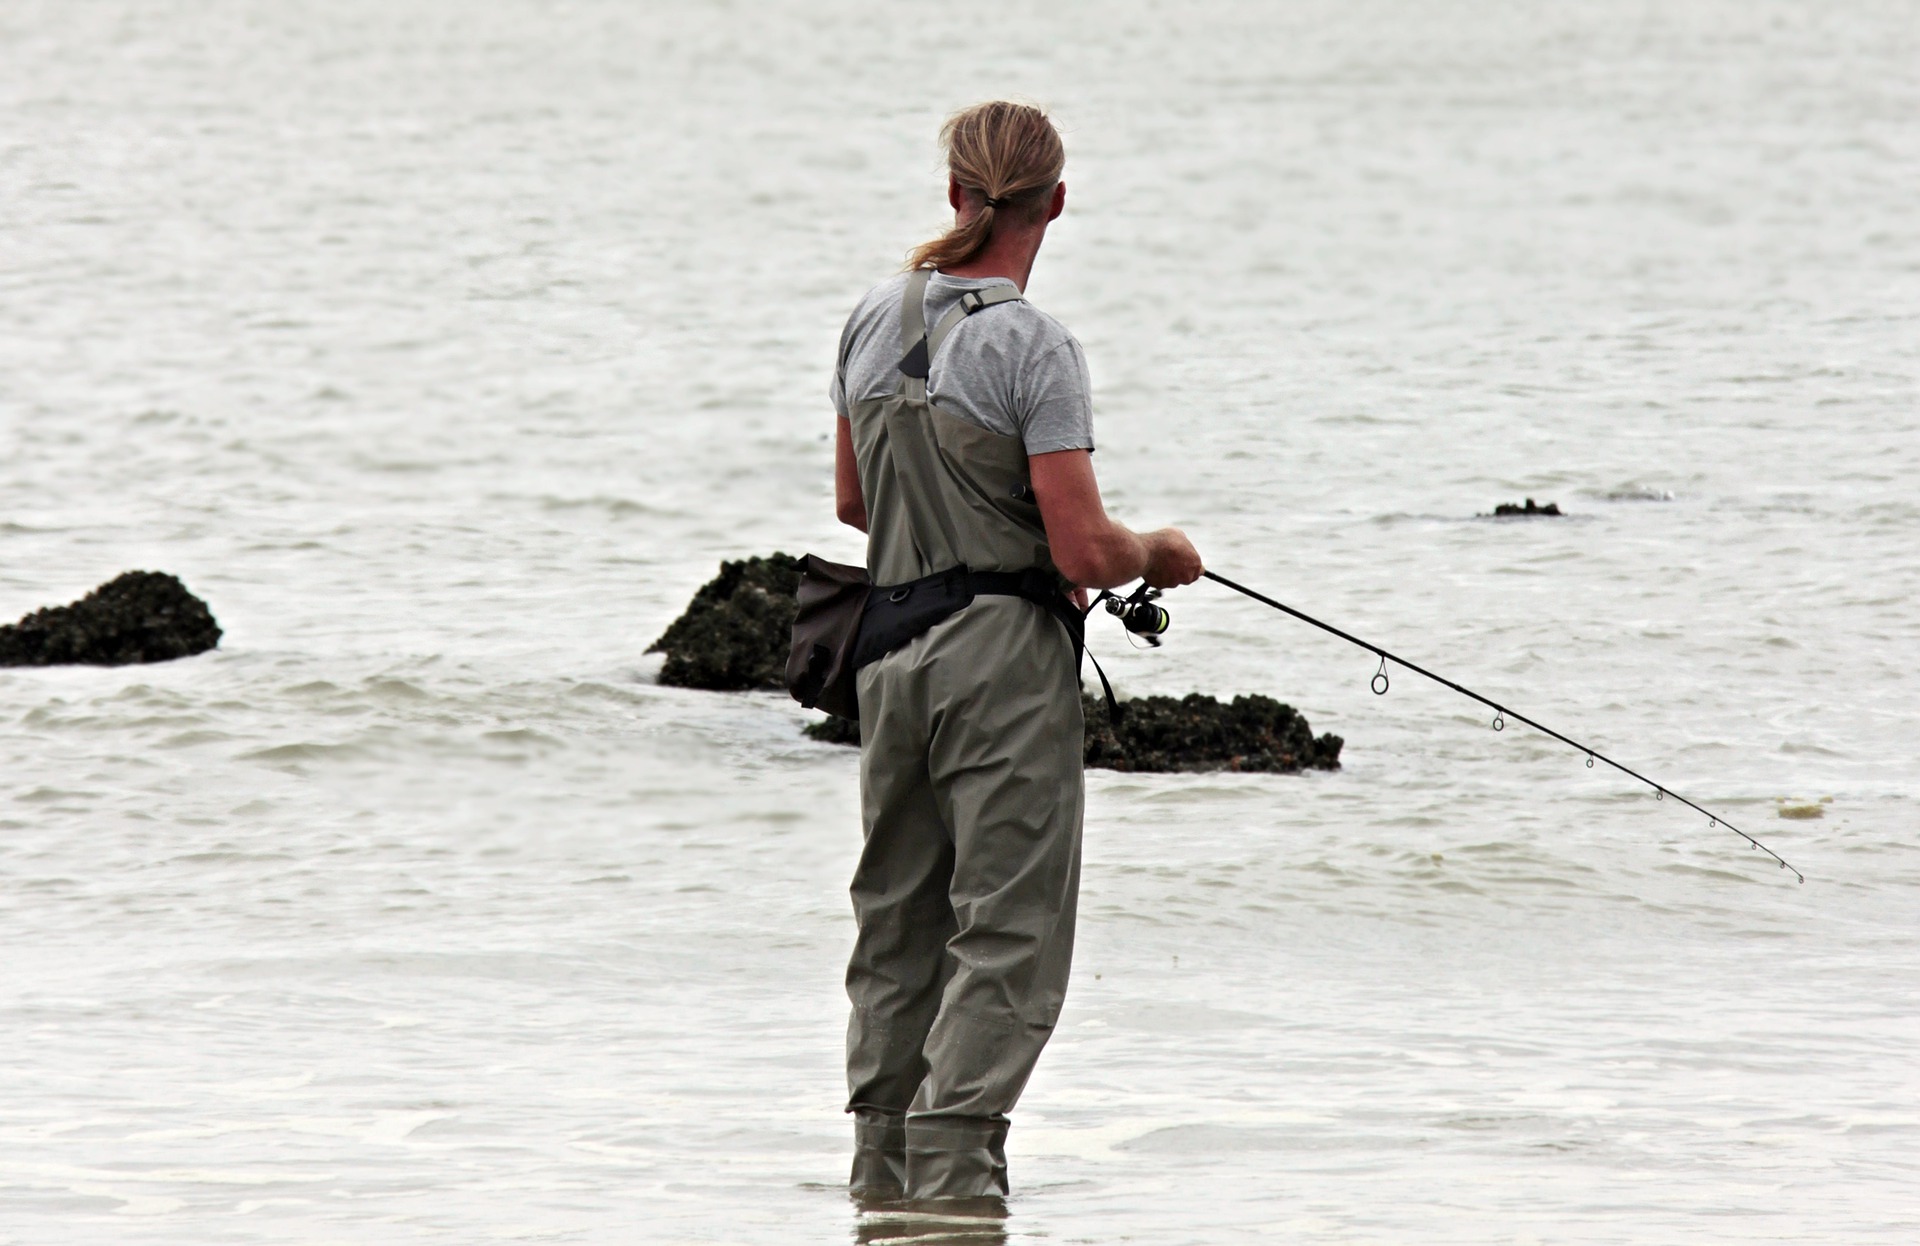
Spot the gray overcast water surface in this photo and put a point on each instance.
(446, 348)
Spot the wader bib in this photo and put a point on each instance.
(971, 798)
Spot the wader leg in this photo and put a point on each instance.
(899, 964)
(1005, 758)
(956, 1157)
(879, 1153)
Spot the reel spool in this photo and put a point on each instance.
(1140, 614)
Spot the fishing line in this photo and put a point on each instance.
(1501, 713)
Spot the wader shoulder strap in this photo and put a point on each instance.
(914, 357)
(970, 302)
(917, 361)
(913, 308)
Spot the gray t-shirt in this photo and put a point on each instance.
(1011, 368)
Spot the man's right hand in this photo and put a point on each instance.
(1171, 559)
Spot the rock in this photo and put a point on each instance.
(1197, 732)
(833, 729)
(736, 631)
(1191, 733)
(1509, 508)
(141, 616)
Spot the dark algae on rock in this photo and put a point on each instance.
(736, 630)
(833, 729)
(1191, 733)
(141, 616)
(1198, 732)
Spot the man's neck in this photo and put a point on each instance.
(1011, 257)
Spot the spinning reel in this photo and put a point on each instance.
(1139, 614)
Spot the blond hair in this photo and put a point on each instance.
(1011, 157)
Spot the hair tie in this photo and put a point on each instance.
(1001, 202)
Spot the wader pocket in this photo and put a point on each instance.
(832, 601)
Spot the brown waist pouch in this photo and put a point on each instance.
(832, 598)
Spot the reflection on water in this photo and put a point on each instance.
(961, 1221)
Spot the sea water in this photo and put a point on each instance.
(446, 348)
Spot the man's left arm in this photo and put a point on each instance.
(848, 502)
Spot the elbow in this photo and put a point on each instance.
(1101, 560)
(852, 513)
(1077, 567)
(1092, 564)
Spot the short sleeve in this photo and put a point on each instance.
(837, 391)
(1055, 399)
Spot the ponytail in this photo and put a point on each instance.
(1007, 155)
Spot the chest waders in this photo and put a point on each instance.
(970, 793)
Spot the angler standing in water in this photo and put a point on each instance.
(965, 455)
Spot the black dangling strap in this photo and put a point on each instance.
(1114, 710)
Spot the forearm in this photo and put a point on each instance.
(1107, 557)
(1092, 550)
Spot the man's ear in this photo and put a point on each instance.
(1059, 203)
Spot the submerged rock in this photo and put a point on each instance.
(736, 631)
(1190, 733)
(1531, 508)
(141, 616)
(1637, 493)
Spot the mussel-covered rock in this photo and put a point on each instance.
(1506, 509)
(1198, 732)
(140, 616)
(736, 630)
(1194, 732)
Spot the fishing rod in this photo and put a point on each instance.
(1139, 615)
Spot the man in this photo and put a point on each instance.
(964, 452)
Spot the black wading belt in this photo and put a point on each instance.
(900, 613)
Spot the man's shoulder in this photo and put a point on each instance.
(884, 295)
(1047, 331)
(877, 309)
(1037, 331)
(1026, 333)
